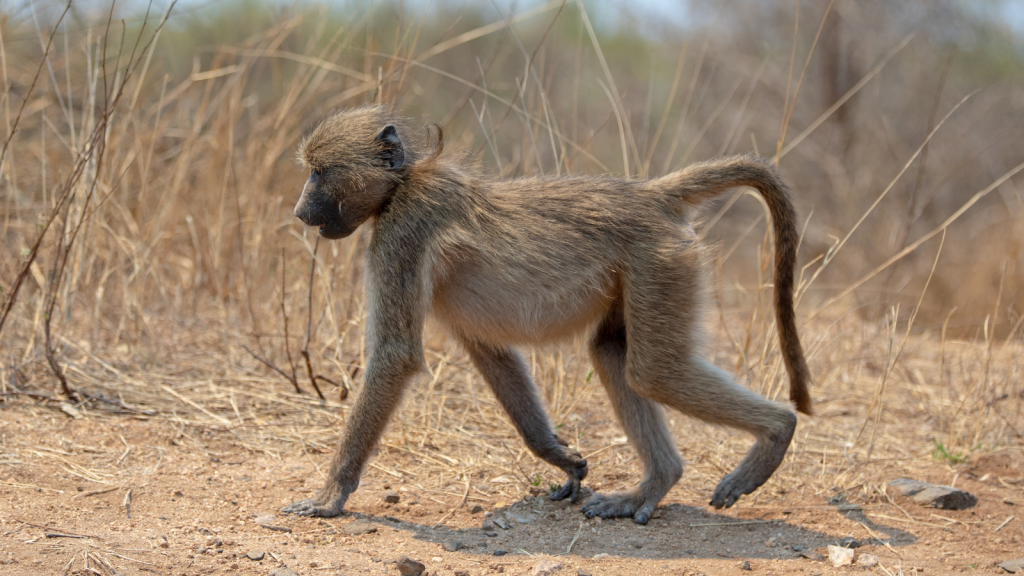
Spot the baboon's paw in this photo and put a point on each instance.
(735, 484)
(322, 506)
(619, 505)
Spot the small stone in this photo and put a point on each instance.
(283, 572)
(201, 550)
(452, 545)
(850, 542)
(811, 555)
(934, 495)
(392, 497)
(546, 568)
(745, 566)
(1013, 566)
(582, 572)
(461, 573)
(500, 552)
(409, 567)
(840, 556)
(501, 523)
(264, 519)
(798, 547)
(490, 534)
(867, 560)
(476, 509)
(255, 556)
(374, 559)
(358, 528)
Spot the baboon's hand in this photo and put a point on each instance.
(576, 471)
(328, 503)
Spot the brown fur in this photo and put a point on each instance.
(534, 260)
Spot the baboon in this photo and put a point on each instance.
(501, 263)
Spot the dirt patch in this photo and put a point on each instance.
(118, 494)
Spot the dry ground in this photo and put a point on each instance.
(197, 458)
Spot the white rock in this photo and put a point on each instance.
(867, 560)
(546, 568)
(840, 556)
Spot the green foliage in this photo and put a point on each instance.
(940, 452)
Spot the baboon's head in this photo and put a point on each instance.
(355, 158)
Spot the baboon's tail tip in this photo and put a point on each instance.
(803, 403)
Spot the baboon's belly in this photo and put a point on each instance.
(523, 304)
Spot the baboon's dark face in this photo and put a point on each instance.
(340, 196)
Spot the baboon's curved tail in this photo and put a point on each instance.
(704, 181)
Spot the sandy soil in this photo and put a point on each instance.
(131, 495)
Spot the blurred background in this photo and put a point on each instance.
(147, 173)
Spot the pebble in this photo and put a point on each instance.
(452, 545)
(798, 547)
(934, 495)
(745, 566)
(283, 572)
(850, 542)
(490, 534)
(501, 523)
(392, 497)
(500, 552)
(255, 556)
(409, 567)
(546, 568)
(867, 560)
(582, 572)
(476, 509)
(840, 556)
(358, 528)
(1013, 566)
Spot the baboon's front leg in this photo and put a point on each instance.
(506, 374)
(381, 393)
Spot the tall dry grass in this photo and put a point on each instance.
(151, 264)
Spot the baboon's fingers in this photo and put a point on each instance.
(570, 490)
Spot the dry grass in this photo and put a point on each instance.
(152, 264)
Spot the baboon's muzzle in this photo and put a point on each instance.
(317, 209)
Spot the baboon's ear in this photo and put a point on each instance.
(391, 151)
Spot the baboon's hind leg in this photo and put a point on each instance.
(663, 365)
(644, 424)
(507, 377)
(711, 395)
